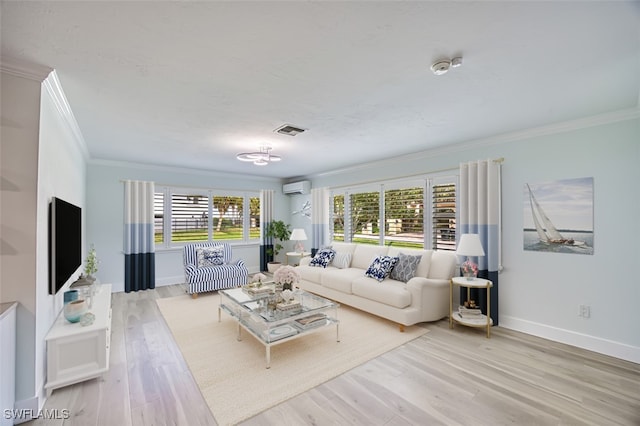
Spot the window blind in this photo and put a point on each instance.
(444, 216)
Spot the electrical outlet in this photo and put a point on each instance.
(585, 311)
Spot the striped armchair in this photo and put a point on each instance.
(209, 278)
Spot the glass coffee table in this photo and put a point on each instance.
(273, 325)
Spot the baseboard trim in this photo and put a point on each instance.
(580, 340)
(178, 279)
(28, 410)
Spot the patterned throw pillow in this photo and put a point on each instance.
(381, 267)
(210, 256)
(322, 258)
(406, 267)
(341, 260)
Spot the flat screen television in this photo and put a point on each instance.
(65, 242)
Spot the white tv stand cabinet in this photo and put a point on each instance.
(76, 353)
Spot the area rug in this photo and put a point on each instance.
(231, 374)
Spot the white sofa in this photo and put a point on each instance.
(425, 297)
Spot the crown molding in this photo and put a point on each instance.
(24, 69)
(54, 89)
(556, 128)
(186, 170)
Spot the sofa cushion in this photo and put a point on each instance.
(322, 258)
(405, 267)
(443, 264)
(341, 260)
(342, 247)
(381, 267)
(390, 292)
(339, 279)
(210, 256)
(309, 273)
(364, 254)
(422, 270)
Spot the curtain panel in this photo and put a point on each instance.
(319, 219)
(139, 256)
(266, 217)
(480, 213)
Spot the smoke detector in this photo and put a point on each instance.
(442, 66)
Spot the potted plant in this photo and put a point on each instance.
(91, 264)
(280, 232)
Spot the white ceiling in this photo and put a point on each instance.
(191, 84)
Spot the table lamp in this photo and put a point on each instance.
(469, 245)
(298, 235)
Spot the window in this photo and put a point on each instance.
(414, 213)
(189, 217)
(404, 217)
(337, 216)
(158, 217)
(183, 216)
(254, 218)
(364, 217)
(228, 222)
(443, 216)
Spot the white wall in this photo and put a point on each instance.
(62, 174)
(539, 293)
(105, 206)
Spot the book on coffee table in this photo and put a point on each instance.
(279, 332)
(252, 305)
(310, 321)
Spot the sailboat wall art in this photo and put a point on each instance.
(558, 216)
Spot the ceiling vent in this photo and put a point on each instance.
(290, 130)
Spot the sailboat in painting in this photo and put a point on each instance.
(547, 232)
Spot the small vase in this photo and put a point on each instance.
(74, 310)
(70, 296)
(469, 276)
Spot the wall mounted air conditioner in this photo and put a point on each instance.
(301, 187)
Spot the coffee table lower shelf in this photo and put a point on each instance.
(258, 329)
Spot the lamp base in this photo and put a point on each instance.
(469, 270)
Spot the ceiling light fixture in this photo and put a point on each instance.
(259, 158)
(442, 66)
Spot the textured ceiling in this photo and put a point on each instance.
(191, 84)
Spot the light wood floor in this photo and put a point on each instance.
(447, 377)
